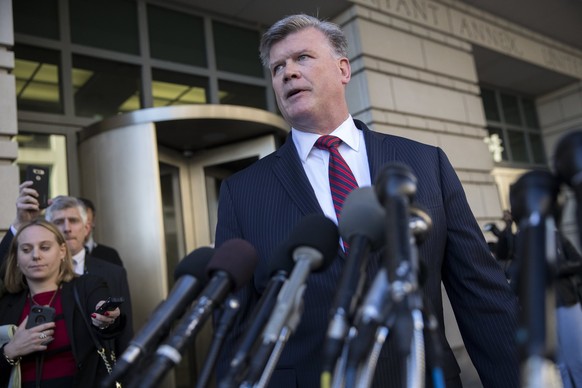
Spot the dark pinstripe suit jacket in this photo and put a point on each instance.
(262, 203)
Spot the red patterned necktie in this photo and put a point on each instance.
(341, 178)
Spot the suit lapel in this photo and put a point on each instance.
(380, 150)
(290, 173)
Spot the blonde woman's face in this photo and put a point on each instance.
(39, 254)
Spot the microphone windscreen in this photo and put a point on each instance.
(393, 180)
(238, 258)
(533, 192)
(362, 215)
(318, 232)
(194, 264)
(568, 158)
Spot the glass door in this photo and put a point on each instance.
(190, 188)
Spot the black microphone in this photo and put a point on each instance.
(568, 165)
(230, 268)
(280, 265)
(362, 226)
(225, 321)
(533, 200)
(191, 276)
(395, 187)
(313, 244)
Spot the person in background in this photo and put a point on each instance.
(569, 312)
(307, 60)
(39, 272)
(503, 248)
(70, 216)
(98, 250)
(567, 284)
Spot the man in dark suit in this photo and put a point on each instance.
(308, 62)
(70, 216)
(99, 250)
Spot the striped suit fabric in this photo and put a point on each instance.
(262, 203)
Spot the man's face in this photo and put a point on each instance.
(309, 80)
(70, 223)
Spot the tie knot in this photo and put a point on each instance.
(328, 142)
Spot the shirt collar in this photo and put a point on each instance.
(79, 261)
(347, 132)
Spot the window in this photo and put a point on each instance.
(514, 132)
(37, 18)
(105, 24)
(104, 88)
(37, 73)
(44, 150)
(235, 93)
(176, 37)
(237, 49)
(170, 88)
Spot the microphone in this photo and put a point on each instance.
(533, 200)
(395, 188)
(313, 245)
(280, 266)
(371, 315)
(568, 165)
(230, 268)
(191, 276)
(388, 300)
(222, 326)
(362, 226)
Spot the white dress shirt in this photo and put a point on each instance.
(79, 262)
(316, 162)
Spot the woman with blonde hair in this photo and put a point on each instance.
(59, 351)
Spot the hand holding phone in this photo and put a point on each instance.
(39, 315)
(110, 304)
(40, 182)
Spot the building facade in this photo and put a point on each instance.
(145, 106)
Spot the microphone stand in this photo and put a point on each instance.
(407, 321)
(533, 199)
(371, 317)
(286, 332)
(230, 308)
(396, 189)
(405, 314)
(265, 360)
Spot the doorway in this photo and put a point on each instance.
(190, 188)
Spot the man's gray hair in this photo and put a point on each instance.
(294, 23)
(63, 202)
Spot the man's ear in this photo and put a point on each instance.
(345, 69)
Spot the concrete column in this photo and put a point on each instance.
(8, 122)
(121, 173)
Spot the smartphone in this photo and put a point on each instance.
(40, 182)
(39, 315)
(110, 304)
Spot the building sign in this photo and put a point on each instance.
(510, 39)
